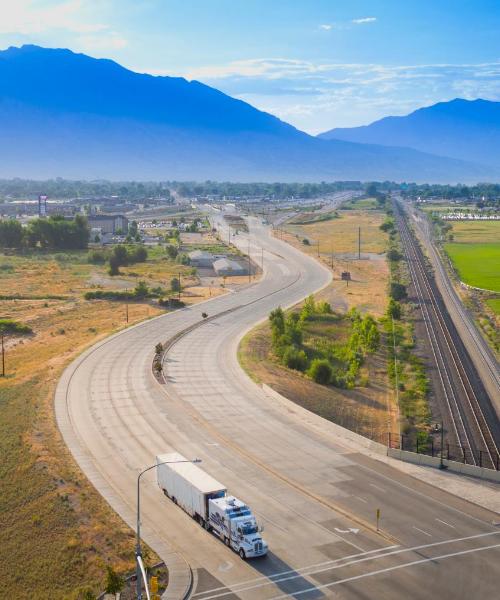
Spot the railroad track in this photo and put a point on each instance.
(465, 401)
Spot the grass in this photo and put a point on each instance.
(366, 410)
(360, 204)
(477, 264)
(368, 288)
(475, 231)
(494, 304)
(56, 532)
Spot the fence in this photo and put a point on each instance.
(450, 452)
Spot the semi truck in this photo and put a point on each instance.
(207, 501)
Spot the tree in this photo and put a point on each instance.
(11, 234)
(133, 229)
(175, 284)
(394, 255)
(141, 290)
(320, 371)
(114, 265)
(394, 309)
(171, 251)
(114, 582)
(371, 189)
(397, 291)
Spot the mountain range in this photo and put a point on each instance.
(464, 129)
(69, 115)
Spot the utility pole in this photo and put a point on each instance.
(395, 361)
(359, 243)
(126, 305)
(318, 248)
(179, 286)
(262, 260)
(441, 463)
(3, 359)
(249, 263)
(332, 257)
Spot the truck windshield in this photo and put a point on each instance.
(249, 528)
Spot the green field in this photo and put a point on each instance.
(477, 264)
(494, 304)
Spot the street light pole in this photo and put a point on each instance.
(138, 550)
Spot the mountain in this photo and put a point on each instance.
(70, 115)
(463, 129)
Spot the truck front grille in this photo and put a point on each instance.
(258, 547)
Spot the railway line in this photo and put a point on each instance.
(466, 407)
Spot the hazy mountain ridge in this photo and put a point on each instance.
(463, 129)
(70, 115)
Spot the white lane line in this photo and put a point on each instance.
(422, 531)
(298, 572)
(331, 566)
(445, 523)
(377, 487)
(387, 570)
(361, 499)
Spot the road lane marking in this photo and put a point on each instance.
(386, 570)
(422, 531)
(445, 523)
(332, 565)
(377, 487)
(361, 499)
(297, 573)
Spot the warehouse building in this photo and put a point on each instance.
(108, 223)
(227, 268)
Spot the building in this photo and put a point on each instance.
(224, 267)
(199, 258)
(108, 223)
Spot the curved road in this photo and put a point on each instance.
(316, 498)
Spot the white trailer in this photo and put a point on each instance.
(187, 485)
(205, 499)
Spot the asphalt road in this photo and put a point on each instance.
(316, 499)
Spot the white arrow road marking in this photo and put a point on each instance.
(350, 530)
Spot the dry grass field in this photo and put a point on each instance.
(45, 499)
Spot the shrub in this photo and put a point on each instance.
(96, 257)
(159, 348)
(324, 308)
(138, 254)
(175, 284)
(394, 255)
(397, 291)
(295, 359)
(306, 242)
(114, 582)
(394, 309)
(171, 251)
(9, 326)
(320, 371)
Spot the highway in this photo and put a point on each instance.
(469, 417)
(316, 498)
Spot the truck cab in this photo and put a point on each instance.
(234, 523)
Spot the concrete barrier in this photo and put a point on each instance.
(452, 466)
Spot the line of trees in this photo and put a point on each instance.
(324, 361)
(53, 233)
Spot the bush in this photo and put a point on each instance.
(306, 242)
(9, 326)
(96, 257)
(175, 284)
(138, 254)
(171, 251)
(295, 359)
(397, 291)
(394, 255)
(324, 308)
(114, 582)
(320, 371)
(394, 309)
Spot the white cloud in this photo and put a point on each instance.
(364, 20)
(316, 96)
(110, 40)
(27, 17)
(325, 27)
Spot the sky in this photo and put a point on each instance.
(317, 64)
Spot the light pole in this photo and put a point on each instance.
(138, 550)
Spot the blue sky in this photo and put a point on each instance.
(317, 64)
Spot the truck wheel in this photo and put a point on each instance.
(226, 541)
(242, 554)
